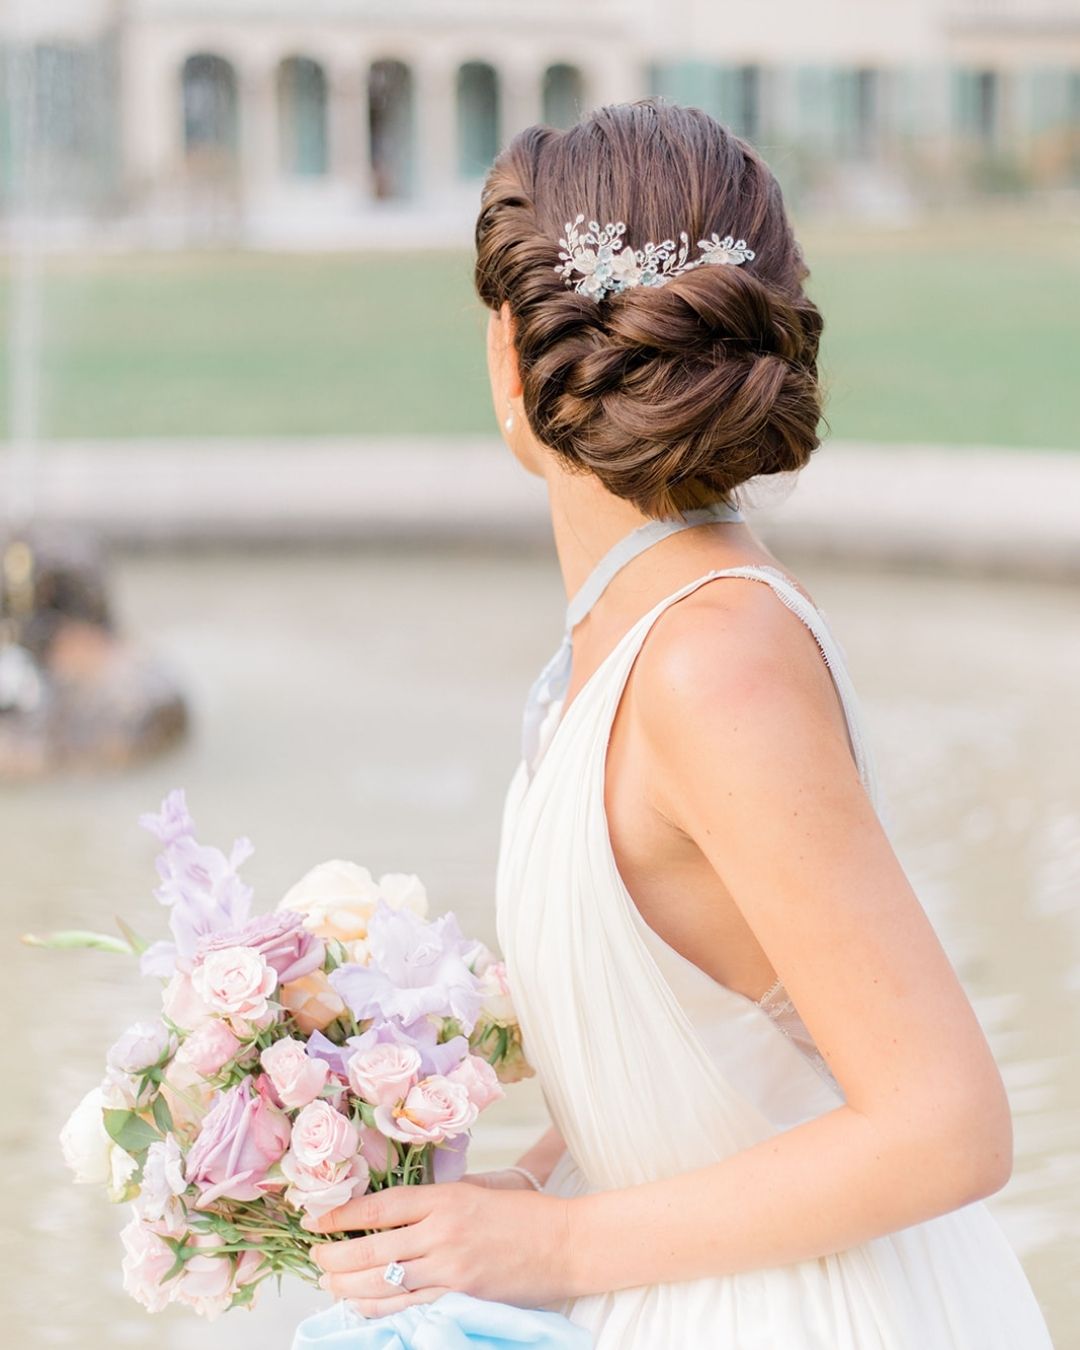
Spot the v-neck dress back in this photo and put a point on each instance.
(649, 1068)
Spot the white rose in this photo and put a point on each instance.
(139, 1047)
(162, 1181)
(119, 1091)
(498, 1006)
(404, 890)
(338, 898)
(88, 1150)
(85, 1143)
(122, 1167)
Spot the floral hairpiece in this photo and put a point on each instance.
(606, 267)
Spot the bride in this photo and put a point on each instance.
(776, 1117)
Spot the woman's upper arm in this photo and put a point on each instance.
(745, 757)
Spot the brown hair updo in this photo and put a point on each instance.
(671, 395)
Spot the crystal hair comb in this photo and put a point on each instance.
(605, 266)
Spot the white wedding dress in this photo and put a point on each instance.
(649, 1068)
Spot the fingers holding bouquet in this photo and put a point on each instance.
(421, 1242)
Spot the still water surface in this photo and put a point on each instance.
(366, 706)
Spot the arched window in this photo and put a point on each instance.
(301, 101)
(210, 104)
(478, 118)
(391, 128)
(564, 95)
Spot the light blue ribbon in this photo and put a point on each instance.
(452, 1322)
(552, 682)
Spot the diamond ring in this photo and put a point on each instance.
(394, 1274)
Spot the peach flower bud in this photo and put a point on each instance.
(313, 1002)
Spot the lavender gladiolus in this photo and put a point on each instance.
(417, 968)
(199, 884)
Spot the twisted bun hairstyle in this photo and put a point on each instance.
(671, 395)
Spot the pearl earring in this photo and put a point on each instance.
(508, 420)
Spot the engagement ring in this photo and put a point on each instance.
(394, 1274)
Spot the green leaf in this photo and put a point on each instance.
(162, 1115)
(131, 1132)
(74, 939)
(243, 1296)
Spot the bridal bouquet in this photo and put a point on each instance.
(342, 1043)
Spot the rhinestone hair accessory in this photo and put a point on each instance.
(597, 262)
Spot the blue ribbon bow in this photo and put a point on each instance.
(452, 1322)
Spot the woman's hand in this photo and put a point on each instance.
(465, 1236)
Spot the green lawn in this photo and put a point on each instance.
(966, 332)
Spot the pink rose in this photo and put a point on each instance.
(313, 1002)
(434, 1109)
(206, 1283)
(241, 1138)
(297, 1077)
(147, 1258)
(182, 1005)
(319, 1189)
(235, 982)
(479, 1080)
(321, 1134)
(384, 1073)
(281, 939)
(209, 1048)
(376, 1150)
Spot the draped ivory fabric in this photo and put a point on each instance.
(649, 1068)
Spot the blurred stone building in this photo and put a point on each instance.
(339, 120)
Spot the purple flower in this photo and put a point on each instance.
(281, 939)
(199, 884)
(451, 1158)
(242, 1136)
(417, 968)
(435, 1057)
(173, 821)
(321, 1047)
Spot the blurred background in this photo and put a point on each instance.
(259, 536)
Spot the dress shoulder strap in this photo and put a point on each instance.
(815, 620)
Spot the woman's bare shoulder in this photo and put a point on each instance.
(730, 639)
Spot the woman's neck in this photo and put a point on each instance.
(587, 521)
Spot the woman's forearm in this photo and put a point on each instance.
(542, 1157)
(818, 1188)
